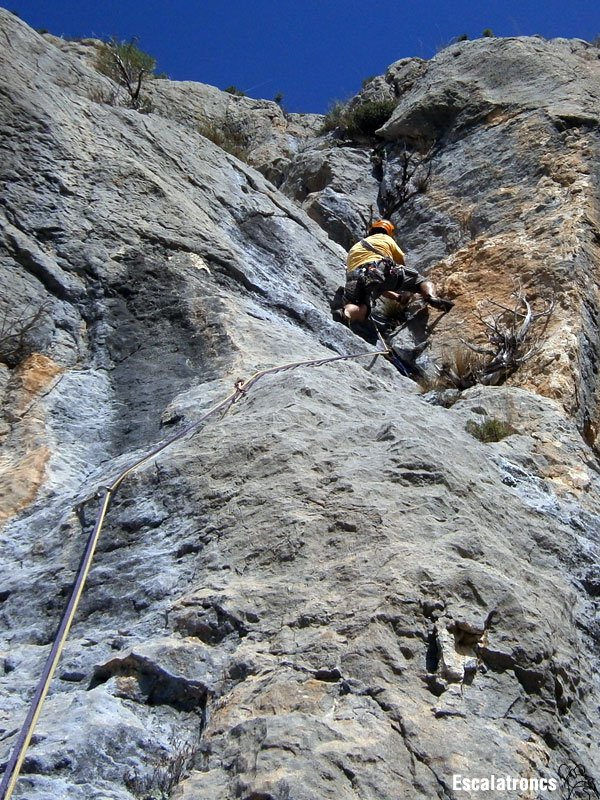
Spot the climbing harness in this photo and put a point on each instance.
(17, 757)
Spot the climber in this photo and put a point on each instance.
(375, 268)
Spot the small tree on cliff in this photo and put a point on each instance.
(128, 66)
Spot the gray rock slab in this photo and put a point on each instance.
(334, 589)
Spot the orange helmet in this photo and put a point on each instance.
(387, 226)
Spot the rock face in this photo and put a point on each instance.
(261, 130)
(336, 589)
(335, 185)
(490, 173)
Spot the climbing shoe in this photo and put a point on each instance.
(438, 302)
(338, 299)
(339, 316)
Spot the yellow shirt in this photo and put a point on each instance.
(359, 255)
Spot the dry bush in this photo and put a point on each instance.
(509, 338)
(168, 770)
(18, 334)
(461, 368)
(415, 162)
(512, 335)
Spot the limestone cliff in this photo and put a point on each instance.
(335, 589)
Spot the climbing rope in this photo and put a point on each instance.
(13, 767)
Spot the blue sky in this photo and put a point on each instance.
(312, 51)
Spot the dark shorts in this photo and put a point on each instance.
(365, 284)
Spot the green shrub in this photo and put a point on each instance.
(235, 91)
(491, 430)
(229, 136)
(334, 117)
(127, 65)
(487, 33)
(363, 119)
(368, 117)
